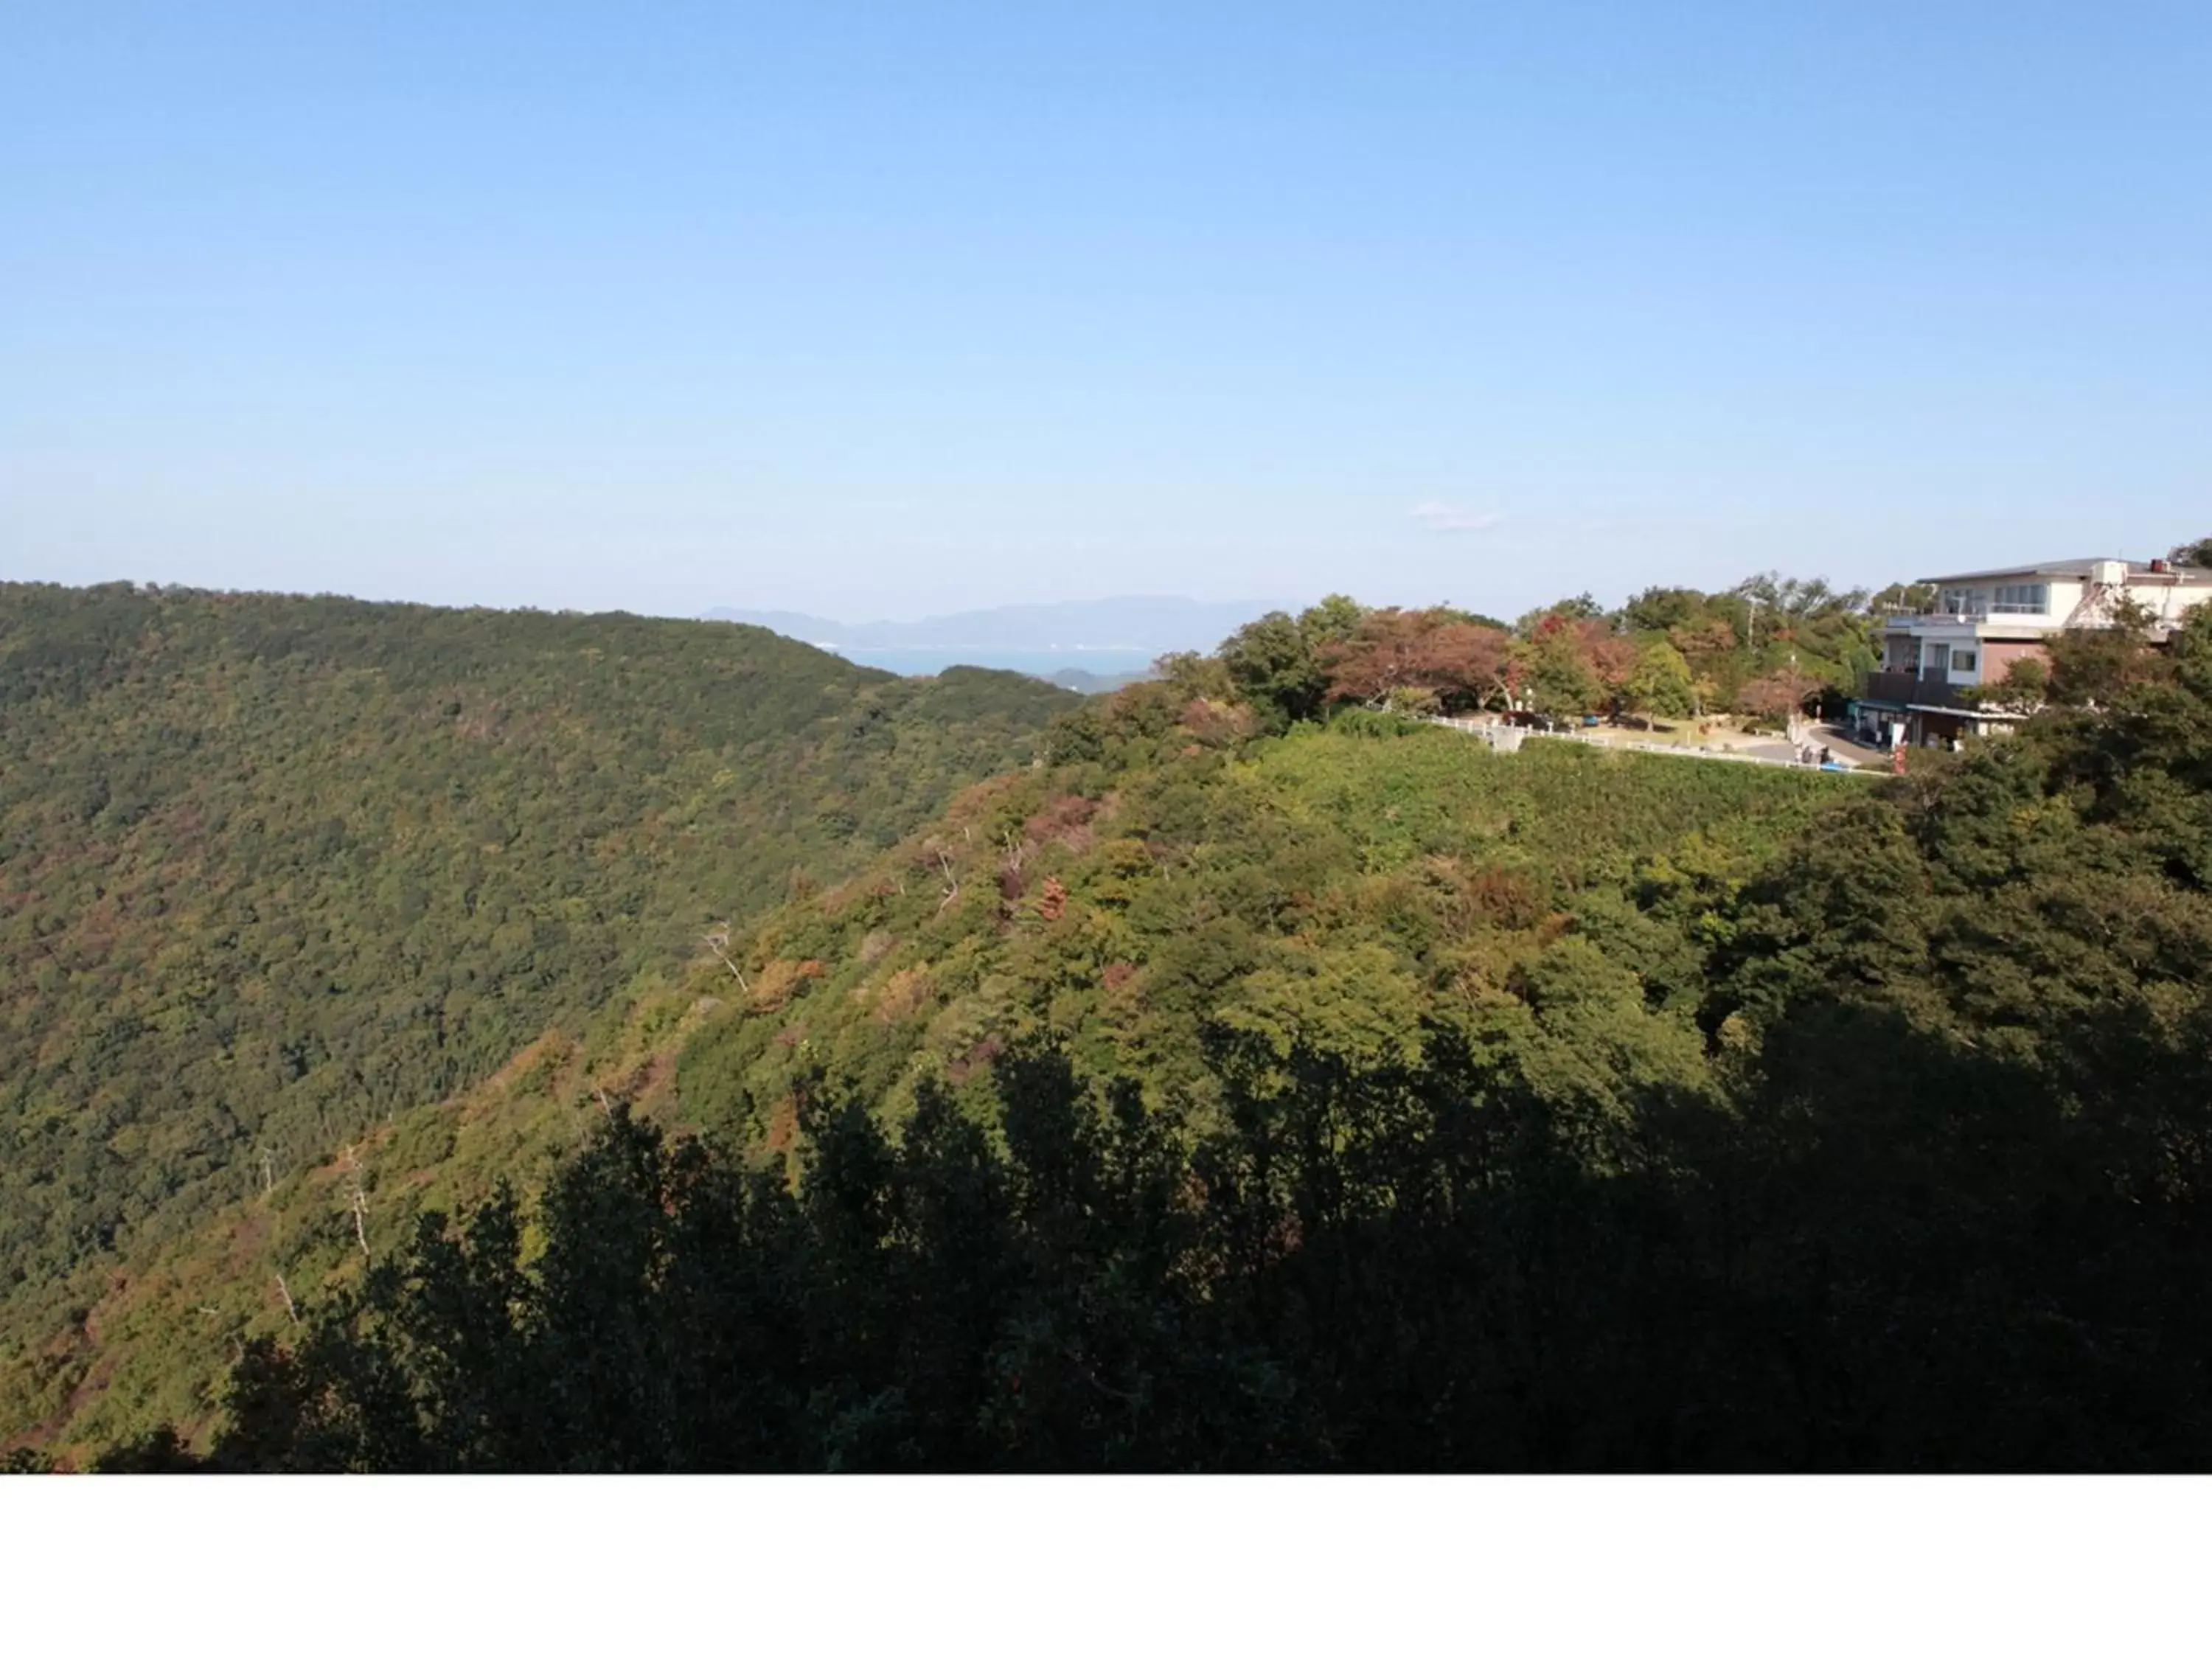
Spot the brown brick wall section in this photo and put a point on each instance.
(1999, 655)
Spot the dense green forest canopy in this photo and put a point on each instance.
(273, 869)
(1168, 873)
(1518, 1145)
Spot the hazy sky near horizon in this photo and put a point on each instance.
(893, 309)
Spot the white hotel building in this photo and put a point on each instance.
(1983, 622)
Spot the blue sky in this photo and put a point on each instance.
(885, 310)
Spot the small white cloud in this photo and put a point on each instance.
(1446, 520)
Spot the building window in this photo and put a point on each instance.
(1965, 601)
(2022, 599)
(1962, 662)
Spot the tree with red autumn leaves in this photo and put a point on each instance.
(1396, 656)
(1573, 666)
(1779, 696)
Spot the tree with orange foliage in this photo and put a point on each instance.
(1398, 656)
(1573, 664)
(1468, 662)
(1382, 657)
(1779, 696)
(1611, 656)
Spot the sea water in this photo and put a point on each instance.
(924, 660)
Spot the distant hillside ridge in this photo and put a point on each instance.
(273, 869)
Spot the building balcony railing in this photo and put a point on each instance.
(1896, 686)
(2011, 615)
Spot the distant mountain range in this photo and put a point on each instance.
(1112, 636)
(1085, 645)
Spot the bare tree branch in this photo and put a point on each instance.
(358, 1201)
(717, 941)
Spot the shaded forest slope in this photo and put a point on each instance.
(1349, 1097)
(1168, 883)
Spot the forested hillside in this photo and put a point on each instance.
(1546, 1111)
(273, 870)
(1169, 880)
(1237, 1091)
